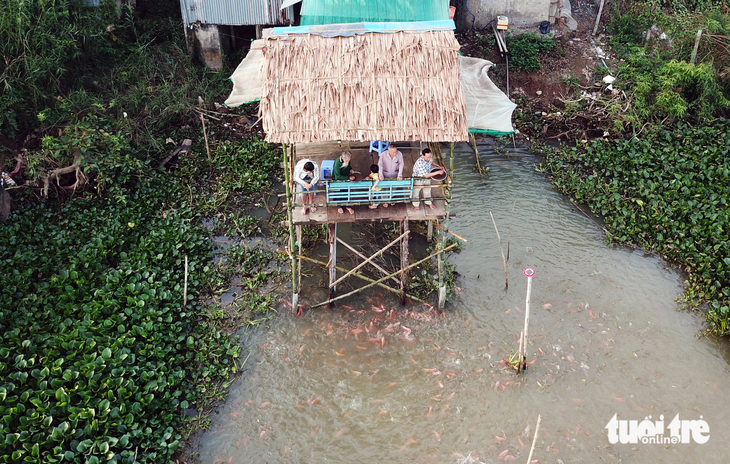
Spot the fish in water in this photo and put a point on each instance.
(502, 454)
(264, 404)
(438, 438)
(261, 435)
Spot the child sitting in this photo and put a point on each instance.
(375, 177)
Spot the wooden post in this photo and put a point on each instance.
(598, 18)
(501, 248)
(522, 359)
(298, 244)
(332, 229)
(442, 244)
(359, 276)
(403, 260)
(697, 45)
(383, 271)
(381, 280)
(429, 232)
(292, 254)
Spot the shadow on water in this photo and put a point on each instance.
(371, 381)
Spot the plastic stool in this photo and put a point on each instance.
(327, 167)
(378, 146)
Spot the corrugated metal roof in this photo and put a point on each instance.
(236, 12)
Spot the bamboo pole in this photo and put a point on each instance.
(410, 266)
(404, 260)
(504, 261)
(377, 253)
(332, 229)
(537, 427)
(598, 18)
(379, 283)
(522, 359)
(365, 257)
(299, 246)
(289, 207)
(509, 231)
(434, 223)
(447, 204)
(697, 45)
(476, 154)
(207, 148)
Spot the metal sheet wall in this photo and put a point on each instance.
(236, 12)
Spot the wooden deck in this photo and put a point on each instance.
(362, 159)
(397, 212)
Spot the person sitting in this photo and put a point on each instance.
(391, 163)
(343, 171)
(306, 175)
(423, 168)
(375, 177)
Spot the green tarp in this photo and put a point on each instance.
(316, 12)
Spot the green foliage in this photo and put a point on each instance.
(668, 192)
(99, 355)
(674, 89)
(46, 44)
(525, 48)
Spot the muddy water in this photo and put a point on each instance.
(372, 382)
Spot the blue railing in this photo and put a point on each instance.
(389, 191)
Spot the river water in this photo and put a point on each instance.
(373, 382)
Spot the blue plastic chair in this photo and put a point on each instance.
(378, 146)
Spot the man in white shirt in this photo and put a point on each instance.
(306, 175)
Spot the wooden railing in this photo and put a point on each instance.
(353, 193)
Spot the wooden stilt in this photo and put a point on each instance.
(368, 260)
(404, 260)
(289, 208)
(298, 244)
(383, 271)
(429, 231)
(360, 276)
(523, 360)
(442, 243)
(410, 266)
(332, 228)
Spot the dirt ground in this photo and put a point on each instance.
(572, 65)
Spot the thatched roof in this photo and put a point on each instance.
(401, 86)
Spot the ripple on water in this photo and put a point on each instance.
(408, 385)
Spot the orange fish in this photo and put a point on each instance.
(389, 385)
(381, 413)
(261, 435)
(436, 435)
(451, 396)
(430, 410)
(502, 454)
(499, 438)
(373, 374)
(450, 374)
(264, 404)
(301, 349)
(339, 433)
(356, 372)
(360, 347)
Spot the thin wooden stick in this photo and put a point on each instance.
(376, 254)
(523, 359)
(598, 18)
(386, 277)
(448, 231)
(365, 257)
(207, 148)
(537, 427)
(501, 248)
(358, 275)
(509, 231)
(185, 287)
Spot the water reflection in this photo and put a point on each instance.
(374, 382)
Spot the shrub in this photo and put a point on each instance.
(525, 49)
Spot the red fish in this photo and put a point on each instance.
(264, 404)
(261, 435)
(450, 374)
(430, 410)
(502, 455)
(436, 435)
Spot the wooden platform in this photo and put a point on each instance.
(362, 159)
(397, 212)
